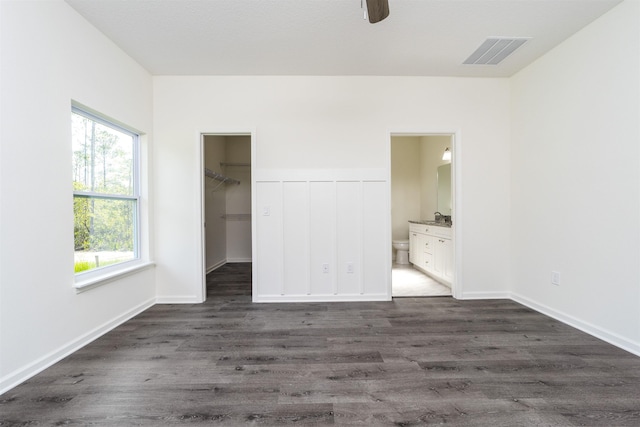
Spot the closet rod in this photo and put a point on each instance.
(219, 177)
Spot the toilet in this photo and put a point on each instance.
(402, 251)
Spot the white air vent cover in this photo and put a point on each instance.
(495, 49)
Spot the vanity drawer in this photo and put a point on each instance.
(427, 261)
(421, 228)
(434, 230)
(427, 243)
(441, 232)
(416, 228)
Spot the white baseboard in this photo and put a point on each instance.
(603, 334)
(178, 299)
(230, 260)
(19, 376)
(216, 265)
(485, 295)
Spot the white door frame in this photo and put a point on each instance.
(201, 256)
(456, 165)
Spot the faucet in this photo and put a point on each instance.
(438, 216)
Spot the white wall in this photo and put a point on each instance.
(575, 179)
(406, 191)
(238, 206)
(332, 124)
(215, 203)
(50, 55)
(433, 147)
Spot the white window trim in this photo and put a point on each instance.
(91, 279)
(111, 274)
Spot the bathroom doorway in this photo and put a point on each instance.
(226, 199)
(421, 215)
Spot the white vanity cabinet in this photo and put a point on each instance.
(421, 249)
(413, 246)
(443, 265)
(431, 250)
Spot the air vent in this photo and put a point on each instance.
(494, 50)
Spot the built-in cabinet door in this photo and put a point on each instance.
(413, 248)
(431, 250)
(420, 244)
(443, 258)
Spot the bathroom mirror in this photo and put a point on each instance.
(444, 189)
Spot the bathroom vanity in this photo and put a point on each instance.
(431, 249)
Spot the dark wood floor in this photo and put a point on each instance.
(412, 361)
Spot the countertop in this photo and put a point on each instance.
(431, 222)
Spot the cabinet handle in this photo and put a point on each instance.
(439, 240)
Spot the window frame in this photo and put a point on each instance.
(99, 275)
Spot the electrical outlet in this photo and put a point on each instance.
(350, 267)
(266, 210)
(555, 278)
(325, 268)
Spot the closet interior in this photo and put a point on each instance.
(227, 199)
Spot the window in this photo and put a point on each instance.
(105, 192)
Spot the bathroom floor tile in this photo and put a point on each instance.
(409, 282)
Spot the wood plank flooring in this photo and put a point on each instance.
(413, 361)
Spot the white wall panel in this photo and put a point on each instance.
(349, 236)
(269, 238)
(321, 224)
(322, 210)
(296, 238)
(377, 235)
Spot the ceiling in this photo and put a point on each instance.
(330, 37)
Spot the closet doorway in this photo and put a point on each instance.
(226, 198)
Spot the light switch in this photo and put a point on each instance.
(555, 278)
(266, 210)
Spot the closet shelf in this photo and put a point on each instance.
(219, 177)
(223, 164)
(236, 217)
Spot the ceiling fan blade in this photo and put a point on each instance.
(377, 10)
